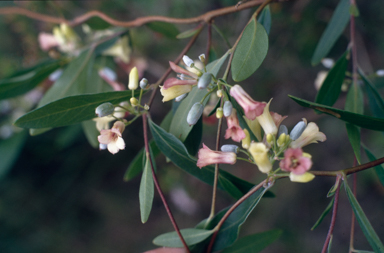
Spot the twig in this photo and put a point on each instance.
(334, 213)
(352, 234)
(158, 186)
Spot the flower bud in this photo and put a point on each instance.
(104, 109)
(146, 107)
(181, 97)
(380, 72)
(328, 62)
(259, 153)
(282, 130)
(204, 80)
(144, 83)
(195, 113)
(303, 178)
(230, 148)
(202, 58)
(133, 79)
(134, 101)
(270, 138)
(102, 146)
(246, 142)
(219, 113)
(219, 93)
(281, 141)
(227, 109)
(188, 61)
(297, 130)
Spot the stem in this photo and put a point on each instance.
(209, 43)
(158, 186)
(226, 215)
(352, 234)
(334, 213)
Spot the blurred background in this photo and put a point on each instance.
(58, 194)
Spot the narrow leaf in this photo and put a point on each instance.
(324, 214)
(250, 52)
(70, 110)
(331, 87)
(364, 223)
(230, 229)
(189, 33)
(146, 191)
(265, 19)
(376, 102)
(167, 29)
(335, 28)
(354, 138)
(379, 168)
(10, 149)
(254, 243)
(91, 132)
(353, 118)
(191, 236)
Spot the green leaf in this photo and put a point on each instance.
(146, 191)
(228, 186)
(353, 118)
(379, 168)
(335, 28)
(331, 87)
(179, 126)
(324, 214)
(189, 33)
(193, 141)
(190, 235)
(230, 229)
(25, 80)
(225, 39)
(265, 19)
(10, 149)
(354, 138)
(254, 243)
(364, 223)
(91, 132)
(250, 52)
(375, 100)
(97, 23)
(174, 149)
(355, 100)
(70, 110)
(353, 10)
(167, 29)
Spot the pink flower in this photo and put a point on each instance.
(208, 156)
(252, 108)
(112, 137)
(295, 162)
(47, 41)
(234, 130)
(186, 77)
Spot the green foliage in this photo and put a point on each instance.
(11, 147)
(375, 100)
(379, 168)
(167, 29)
(189, 33)
(324, 214)
(335, 28)
(265, 19)
(191, 236)
(146, 191)
(250, 51)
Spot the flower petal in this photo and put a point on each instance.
(170, 82)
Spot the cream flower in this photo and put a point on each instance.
(259, 153)
(304, 178)
(267, 122)
(310, 135)
(112, 138)
(174, 91)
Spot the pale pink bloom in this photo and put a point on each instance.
(252, 108)
(234, 130)
(310, 135)
(112, 137)
(295, 162)
(277, 118)
(47, 41)
(208, 156)
(186, 77)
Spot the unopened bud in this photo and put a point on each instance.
(281, 140)
(298, 130)
(204, 80)
(270, 138)
(103, 146)
(380, 72)
(188, 61)
(133, 79)
(219, 93)
(181, 97)
(202, 58)
(304, 178)
(246, 142)
(227, 109)
(144, 83)
(328, 62)
(230, 148)
(104, 109)
(134, 101)
(195, 113)
(282, 130)
(219, 113)
(146, 107)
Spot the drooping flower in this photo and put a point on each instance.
(295, 161)
(174, 91)
(234, 130)
(252, 108)
(207, 156)
(259, 153)
(112, 137)
(185, 77)
(304, 178)
(310, 135)
(267, 122)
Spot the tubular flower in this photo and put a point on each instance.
(267, 122)
(295, 162)
(185, 77)
(208, 156)
(234, 130)
(304, 178)
(255, 127)
(259, 153)
(112, 137)
(174, 92)
(310, 135)
(252, 108)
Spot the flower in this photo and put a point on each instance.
(304, 178)
(252, 108)
(186, 77)
(47, 41)
(267, 122)
(133, 83)
(174, 91)
(295, 162)
(120, 50)
(234, 130)
(310, 135)
(255, 127)
(208, 156)
(259, 153)
(112, 137)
